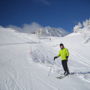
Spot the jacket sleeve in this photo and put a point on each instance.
(67, 52)
(59, 54)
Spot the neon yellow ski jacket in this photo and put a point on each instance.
(63, 53)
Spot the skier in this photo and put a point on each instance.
(64, 54)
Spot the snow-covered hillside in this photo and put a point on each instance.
(41, 31)
(26, 62)
(83, 28)
(48, 31)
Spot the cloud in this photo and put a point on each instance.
(27, 28)
(45, 2)
(30, 28)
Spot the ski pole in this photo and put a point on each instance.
(50, 70)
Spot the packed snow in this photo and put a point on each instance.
(26, 62)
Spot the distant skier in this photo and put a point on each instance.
(64, 54)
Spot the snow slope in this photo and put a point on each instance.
(26, 62)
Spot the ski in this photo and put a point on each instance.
(61, 77)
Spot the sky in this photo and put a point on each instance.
(54, 13)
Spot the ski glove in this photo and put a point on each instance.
(55, 57)
(67, 57)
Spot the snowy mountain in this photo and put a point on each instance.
(41, 31)
(83, 28)
(49, 31)
(26, 61)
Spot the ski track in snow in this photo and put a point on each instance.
(13, 84)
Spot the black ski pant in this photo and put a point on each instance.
(65, 66)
